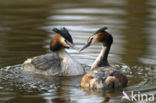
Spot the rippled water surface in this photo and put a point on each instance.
(25, 31)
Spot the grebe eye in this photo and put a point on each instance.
(65, 41)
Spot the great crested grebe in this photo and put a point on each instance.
(57, 63)
(102, 75)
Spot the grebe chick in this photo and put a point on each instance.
(102, 75)
(57, 63)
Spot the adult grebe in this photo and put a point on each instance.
(102, 74)
(57, 63)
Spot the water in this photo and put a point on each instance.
(25, 31)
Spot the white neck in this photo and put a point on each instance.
(69, 65)
(101, 60)
(62, 54)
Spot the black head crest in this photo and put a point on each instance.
(64, 32)
(101, 30)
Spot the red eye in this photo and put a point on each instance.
(65, 41)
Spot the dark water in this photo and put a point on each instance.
(25, 31)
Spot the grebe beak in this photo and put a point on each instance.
(71, 45)
(86, 45)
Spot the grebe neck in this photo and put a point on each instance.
(101, 60)
(61, 54)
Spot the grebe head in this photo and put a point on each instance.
(62, 39)
(100, 36)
